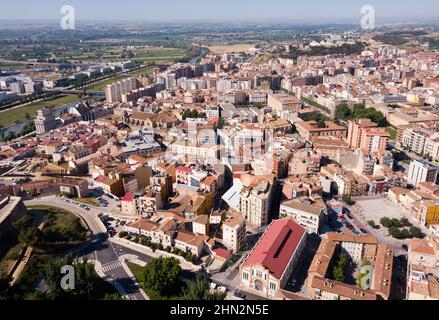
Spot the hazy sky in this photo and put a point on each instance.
(250, 10)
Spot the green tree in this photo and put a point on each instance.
(23, 223)
(112, 297)
(52, 276)
(347, 199)
(372, 224)
(27, 115)
(396, 223)
(395, 232)
(340, 269)
(416, 232)
(86, 280)
(405, 222)
(338, 274)
(162, 275)
(386, 222)
(29, 236)
(343, 112)
(199, 290)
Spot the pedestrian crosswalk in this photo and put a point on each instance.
(223, 281)
(111, 266)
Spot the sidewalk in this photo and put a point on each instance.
(102, 275)
(131, 275)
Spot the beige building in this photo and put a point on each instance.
(309, 216)
(255, 200)
(310, 129)
(234, 231)
(359, 249)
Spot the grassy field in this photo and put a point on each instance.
(230, 48)
(59, 222)
(11, 116)
(392, 133)
(158, 55)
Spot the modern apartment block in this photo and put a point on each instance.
(45, 121)
(421, 171)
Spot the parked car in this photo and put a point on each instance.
(213, 286)
(222, 289)
(239, 295)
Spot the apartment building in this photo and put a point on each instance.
(422, 171)
(234, 231)
(45, 121)
(149, 201)
(356, 128)
(255, 201)
(311, 217)
(283, 104)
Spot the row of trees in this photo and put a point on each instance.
(193, 114)
(144, 241)
(401, 228)
(316, 116)
(28, 128)
(316, 104)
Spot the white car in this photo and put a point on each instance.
(213, 286)
(222, 289)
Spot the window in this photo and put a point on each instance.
(273, 286)
(245, 276)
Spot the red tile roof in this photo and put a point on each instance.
(184, 169)
(277, 246)
(223, 253)
(128, 197)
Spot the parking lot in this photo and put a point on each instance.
(375, 209)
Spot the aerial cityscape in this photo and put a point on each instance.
(258, 151)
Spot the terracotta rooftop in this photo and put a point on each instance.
(276, 247)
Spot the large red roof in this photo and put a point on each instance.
(275, 249)
(128, 197)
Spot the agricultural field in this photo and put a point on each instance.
(13, 115)
(221, 49)
(158, 55)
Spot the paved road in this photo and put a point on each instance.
(99, 248)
